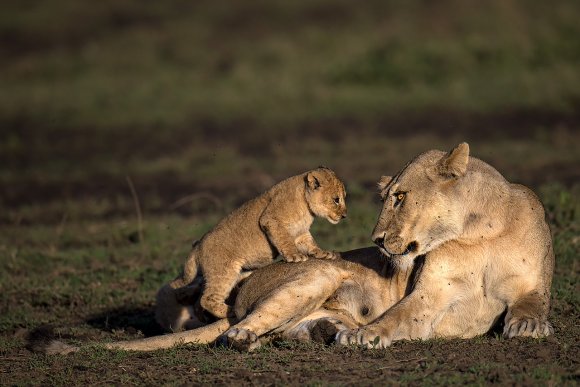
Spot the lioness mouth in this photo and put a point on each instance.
(411, 247)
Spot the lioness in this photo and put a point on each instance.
(486, 244)
(277, 221)
(460, 246)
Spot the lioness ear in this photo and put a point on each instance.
(384, 182)
(311, 181)
(454, 163)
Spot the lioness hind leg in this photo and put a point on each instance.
(283, 308)
(528, 317)
(172, 315)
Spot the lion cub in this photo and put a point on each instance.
(277, 221)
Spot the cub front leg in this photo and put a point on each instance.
(307, 245)
(528, 316)
(277, 232)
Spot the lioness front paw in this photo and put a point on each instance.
(323, 254)
(365, 337)
(295, 257)
(531, 327)
(240, 339)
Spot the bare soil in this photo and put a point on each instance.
(483, 360)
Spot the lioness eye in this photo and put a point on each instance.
(399, 196)
(336, 200)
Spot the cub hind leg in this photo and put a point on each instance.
(219, 282)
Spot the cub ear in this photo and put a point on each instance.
(454, 163)
(384, 182)
(311, 181)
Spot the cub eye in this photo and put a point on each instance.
(399, 196)
(337, 200)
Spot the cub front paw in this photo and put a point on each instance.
(364, 337)
(240, 339)
(323, 254)
(531, 327)
(295, 257)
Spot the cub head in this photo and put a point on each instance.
(421, 205)
(325, 194)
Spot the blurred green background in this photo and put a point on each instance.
(227, 97)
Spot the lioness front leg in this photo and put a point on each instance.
(283, 308)
(307, 245)
(412, 318)
(528, 317)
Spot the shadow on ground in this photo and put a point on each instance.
(131, 320)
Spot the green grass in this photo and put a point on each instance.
(99, 294)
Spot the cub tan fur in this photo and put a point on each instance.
(277, 221)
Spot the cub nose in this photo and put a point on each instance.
(343, 215)
(379, 240)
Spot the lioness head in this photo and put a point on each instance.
(421, 205)
(325, 194)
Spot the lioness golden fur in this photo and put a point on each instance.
(276, 222)
(487, 248)
(460, 247)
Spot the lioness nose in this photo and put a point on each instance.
(343, 215)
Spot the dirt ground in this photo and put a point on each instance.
(483, 360)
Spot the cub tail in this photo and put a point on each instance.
(190, 267)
